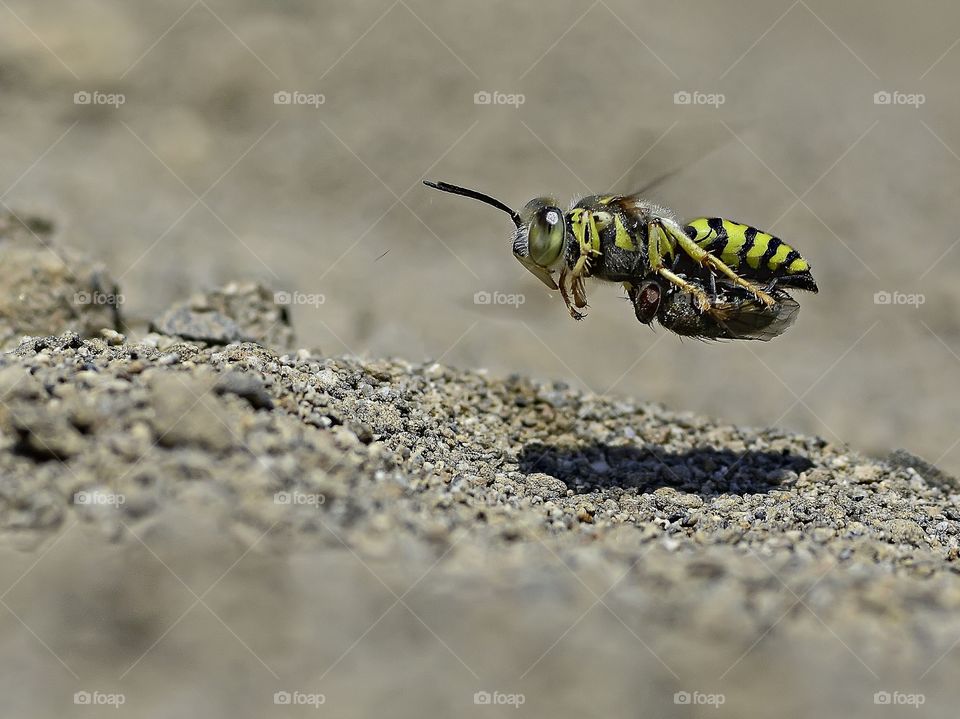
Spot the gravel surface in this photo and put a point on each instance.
(398, 536)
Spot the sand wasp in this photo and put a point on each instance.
(711, 278)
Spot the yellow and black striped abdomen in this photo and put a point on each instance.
(751, 253)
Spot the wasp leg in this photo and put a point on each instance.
(579, 292)
(699, 296)
(580, 271)
(698, 254)
(582, 267)
(562, 284)
(587, 250)
(655, 234)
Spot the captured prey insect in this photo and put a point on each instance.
(711, 277)
(734, 313)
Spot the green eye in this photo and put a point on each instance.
(546, 236)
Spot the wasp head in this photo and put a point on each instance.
(540, 237)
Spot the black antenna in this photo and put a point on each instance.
(455, 190)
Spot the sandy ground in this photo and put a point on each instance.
(190, 530)
(308, 197)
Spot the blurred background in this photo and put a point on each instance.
(192, 142)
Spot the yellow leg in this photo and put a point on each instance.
(585, 238)
(701, 298)
(562, 284)
(579, 292)
(580, 270)
(655, 235)
(698, 254)
(582, 267)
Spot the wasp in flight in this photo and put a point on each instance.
(710, 278)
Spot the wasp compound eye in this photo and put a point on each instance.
(546, 236)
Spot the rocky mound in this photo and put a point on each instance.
(395, 537)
